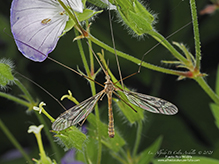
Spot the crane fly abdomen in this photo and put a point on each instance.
(111, 131)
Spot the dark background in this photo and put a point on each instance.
(192, 128)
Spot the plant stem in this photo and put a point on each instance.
(200, 80)
(124, 154)
(166, 44)
(119, 158)
(40, 145)
(48, 115)
(14, 141)
(196, 33)
(46, 129)
(207, 89)
(93, 90)
(133, 59)
(137, 139)
(25, 91)
(87, 160)
(90, 52)
(99, 153)
(84, 60)
(15, 99)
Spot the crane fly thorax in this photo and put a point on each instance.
(109, 87)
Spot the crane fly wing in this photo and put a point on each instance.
(150, 103)
(76, 114)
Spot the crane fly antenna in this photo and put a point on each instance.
(73, 70)
(139, 69)
(114, 46)
(42, 89)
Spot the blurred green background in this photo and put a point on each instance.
(193, 128)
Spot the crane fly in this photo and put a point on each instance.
(81, 111)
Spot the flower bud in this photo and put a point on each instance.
(135, 16)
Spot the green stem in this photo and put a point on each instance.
(15, 99)
(93, 90)
(207, 89)
(133, 59)
(49, 136)
(87, 160)
(48, 115)
(196, 33)
(119, 158)
(25, 91)
(124, 154)
(91, 58)
(166, 44)
(137, 139)
(14, 141)
(40, 145)
(84, 60)
(90, 52)
(99, 153)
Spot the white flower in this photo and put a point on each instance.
(76, 5)
(34, 129)
(40, 108)
(43, 158)
(37, 25)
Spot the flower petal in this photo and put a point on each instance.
(35, 129)
(36, 26)
(76, 5)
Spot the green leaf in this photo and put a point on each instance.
(114, 144)
(186, 159)
(72, 137)
(89, 153)
(98, 3)
(87, 13)
(6, 76)
(148, 154)
(215, 111)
